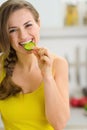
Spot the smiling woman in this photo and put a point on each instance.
(33, 83)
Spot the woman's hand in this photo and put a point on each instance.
(44, 60)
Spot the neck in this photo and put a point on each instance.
(26, 61)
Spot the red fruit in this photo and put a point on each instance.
(74, 102)
(83, 101)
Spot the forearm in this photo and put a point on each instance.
(55, 107)
(56, 96)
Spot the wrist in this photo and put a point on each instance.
(48, 77)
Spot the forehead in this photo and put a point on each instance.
(20, 16)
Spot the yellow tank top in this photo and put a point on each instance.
(25, 111)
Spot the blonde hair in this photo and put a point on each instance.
(7, 87)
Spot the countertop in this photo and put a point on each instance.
(78, 120)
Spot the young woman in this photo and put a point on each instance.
(33, 84)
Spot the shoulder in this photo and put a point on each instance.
(60, 64)
(58, 60)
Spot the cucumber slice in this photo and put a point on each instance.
(29, 45)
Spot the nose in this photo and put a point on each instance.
(23, 34)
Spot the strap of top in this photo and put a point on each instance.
(2, 73)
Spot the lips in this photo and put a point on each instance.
(22, 43)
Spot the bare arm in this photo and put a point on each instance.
(55, 88)
(57, 95)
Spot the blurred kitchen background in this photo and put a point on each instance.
(64, 32)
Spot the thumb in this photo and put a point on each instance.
(35, 51)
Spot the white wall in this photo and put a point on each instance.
(50, 12)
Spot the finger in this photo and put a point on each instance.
(36, 54)
(43, 51)
(40, 52)
(45, 59)
(35, 50)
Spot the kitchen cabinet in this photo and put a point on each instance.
(78, 120)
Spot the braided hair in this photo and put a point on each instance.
(7, 86)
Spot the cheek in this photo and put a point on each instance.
(12, 38)
(12, 41)
(37, 32)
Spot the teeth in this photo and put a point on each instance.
(25, 42)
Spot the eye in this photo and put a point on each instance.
(12, 30)
(28, 25)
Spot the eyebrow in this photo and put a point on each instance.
(16, 27)
(27, 22)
